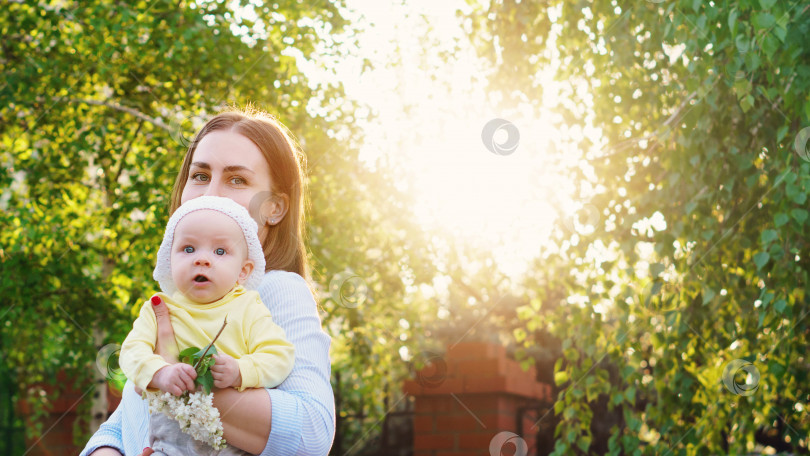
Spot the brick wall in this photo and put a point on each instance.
(57, 424)
(468, 399)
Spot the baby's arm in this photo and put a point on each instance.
(147, 369)
(270, 355)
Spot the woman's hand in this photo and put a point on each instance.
(166, 345)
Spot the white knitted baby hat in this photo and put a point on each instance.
(227, 206)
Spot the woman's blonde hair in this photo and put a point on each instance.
(284, 243)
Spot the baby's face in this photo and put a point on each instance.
(209, 256)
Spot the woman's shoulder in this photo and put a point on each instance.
(280, 277)
(284, 282)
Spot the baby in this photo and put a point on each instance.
(209, 255)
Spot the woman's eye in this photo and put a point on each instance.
(188, 249)
(238, 181)
(200, 177)
(220, 251)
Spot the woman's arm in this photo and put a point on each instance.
(302, 408)
(107, 439)
(245, 417)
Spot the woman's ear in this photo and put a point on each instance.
(268, 208)
(276, 209)
(247, 269)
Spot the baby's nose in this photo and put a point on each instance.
(202, 260)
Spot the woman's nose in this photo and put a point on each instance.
(213, 190)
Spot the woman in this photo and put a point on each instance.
(248, 157)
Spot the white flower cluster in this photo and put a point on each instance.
(195, 412)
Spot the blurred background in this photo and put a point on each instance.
(612, 193)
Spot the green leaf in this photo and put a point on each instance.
(800, 215)
(747, 103)
(584, 443)
(732, 19)
(780, 32)
(776, 369)
(764, 20)
(780, 305)
(780, 219)
(760, 259)
(767, 236)
(560, 377)
(211, 351)
(206, 381)
(708, 295)
(189, 351)
(742, 43)
(767, 4)
(630, 394)
(770, 45)
(780, 134)
(569, 413)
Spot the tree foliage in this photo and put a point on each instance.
(699, 254)
(97, 106)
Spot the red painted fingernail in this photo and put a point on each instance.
(155, 300)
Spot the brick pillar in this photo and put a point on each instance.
(463, 400)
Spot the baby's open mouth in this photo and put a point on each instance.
(200, 278)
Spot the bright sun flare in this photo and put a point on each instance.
(428, 120)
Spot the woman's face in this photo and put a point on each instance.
(230, 165)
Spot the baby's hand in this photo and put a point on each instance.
(226, 372)
(175, 378)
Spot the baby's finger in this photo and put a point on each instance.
(221, 383)
(175, 389)
(187, 382)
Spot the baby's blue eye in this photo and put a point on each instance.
(220, 251)
(188, 249)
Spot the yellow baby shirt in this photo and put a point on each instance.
(261, 349)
